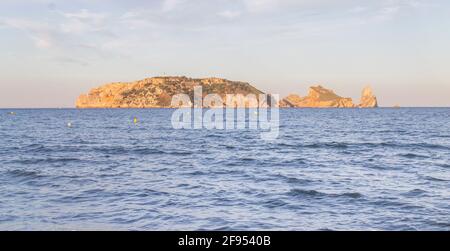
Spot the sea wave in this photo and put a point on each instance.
(329, 169)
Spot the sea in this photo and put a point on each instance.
(329, 169)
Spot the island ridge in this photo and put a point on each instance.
(157, 92)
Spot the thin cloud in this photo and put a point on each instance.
(39, 32)
(71, 60)
(169, 5)
(83, 21)
(387, 13)
(121, 31)
(229, 14)
(260, 5)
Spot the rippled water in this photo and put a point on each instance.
(333, 169)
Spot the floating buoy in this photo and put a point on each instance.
(69, 124)
(135, 120)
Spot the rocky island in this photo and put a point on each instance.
(368, 99)
(320, 97)
(157, 92)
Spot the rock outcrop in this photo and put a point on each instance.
(158, 92)
(318, 97)
(290, 101)
(368, 99)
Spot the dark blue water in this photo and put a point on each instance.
(333, 169)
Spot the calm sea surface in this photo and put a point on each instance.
(333, 169)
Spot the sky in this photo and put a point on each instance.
(53, 51)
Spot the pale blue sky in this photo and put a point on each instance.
(52, 51)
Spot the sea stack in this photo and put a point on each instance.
(368, 99)
(318, 97)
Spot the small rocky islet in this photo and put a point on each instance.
(320, 97)
(157, 92)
